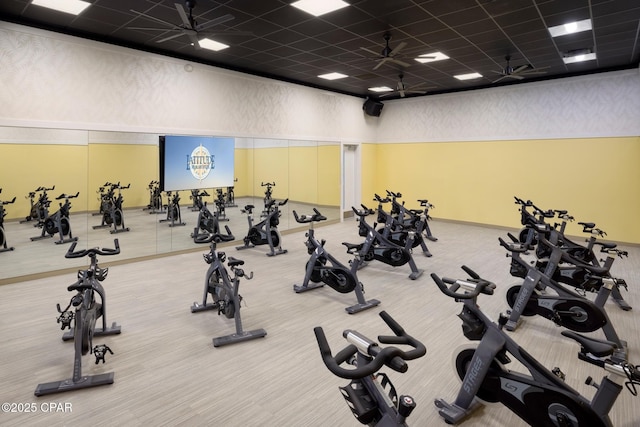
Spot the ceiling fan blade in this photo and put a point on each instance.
(169, 38)
(397, 61)
(376, 54)
(215, 21)
(497, 80)
(401, 93)
(498, 72)
(397, 48)
(520, 69)
(533, 73)
(380, 62)
(183, 15)
(144, 15)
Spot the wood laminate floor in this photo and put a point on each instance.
(168, 373)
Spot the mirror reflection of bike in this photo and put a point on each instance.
(266, 231)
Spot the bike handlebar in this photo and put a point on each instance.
(475, 286)
(92, 251)
(8, 202)
(391, 356)
(67, 196)
(364, 212)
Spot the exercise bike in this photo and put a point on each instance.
(87, 310)
(268, 192)
(224, 295)
(111, 207)
(408, 215)
(322, 268)
(565, 270)
(3, 234)
(173, 210)
(565, 308)
(377, 247)
(401, 230)
(207, 225)
(93, 275)
(155, 205)
(39, 210)
(221, 212)
(370, 395)
(540, 397)
(266, 231)
(59, 222)
(230, 197)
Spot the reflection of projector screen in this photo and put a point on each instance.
(189, 162)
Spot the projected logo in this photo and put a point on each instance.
(200, 162)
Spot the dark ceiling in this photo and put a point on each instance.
(287, 44)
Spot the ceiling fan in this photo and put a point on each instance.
(403, 89)
(519, 72)
(387, 54)
(189, 26)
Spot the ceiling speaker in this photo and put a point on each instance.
(372, 108)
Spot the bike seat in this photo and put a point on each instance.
(416, 211)
(587, 224)
(232, 262)
(598, 348)
(607, 245)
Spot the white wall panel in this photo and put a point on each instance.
(598, 105)
(52, 80)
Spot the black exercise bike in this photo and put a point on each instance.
(266, 231)
(59, 222)
(370, 395)
(83, 311)
(323, 268)
(225, 298)
(379, 248)
(207, 226)
(540, 397)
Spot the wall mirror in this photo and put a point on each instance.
(306, 173)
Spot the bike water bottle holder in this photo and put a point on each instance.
(362, 230)
(363, 407)
(517, 269)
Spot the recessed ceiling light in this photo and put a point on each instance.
(579, 58)
(333, 76)
(570, 28)
(319, 7)
(75, 7)
(380, 89)
(469, 76)
(212, 44)
(431, 57)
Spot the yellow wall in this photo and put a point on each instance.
(303, 174)
(595, 179)
(125, 163)
(25, 165)
(271, 165)
(329, 176)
